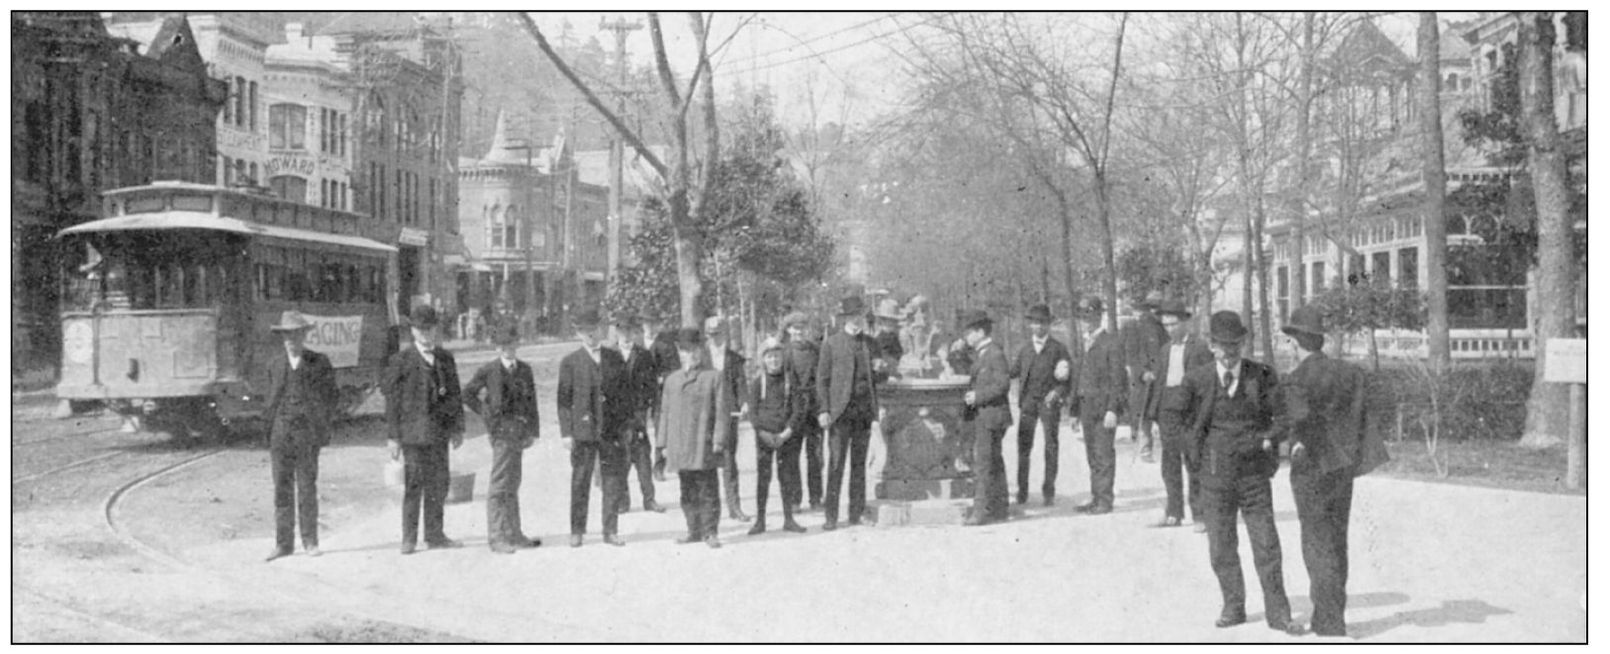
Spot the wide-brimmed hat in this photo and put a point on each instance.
(506, 335)
(1039, 313)
(1305, 319)
(973, 318)
(852, 306)
(689, 337)
(1090, 308)
(423, 316)
(888, 309)
(795, 318)
(1225, 326)
(1174, 308)
(291, 321)
(1152, 300)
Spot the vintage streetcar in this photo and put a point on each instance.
(168, 299)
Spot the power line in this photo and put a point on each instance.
(806, 42)
(819, 55)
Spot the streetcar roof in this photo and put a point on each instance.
(168, 220)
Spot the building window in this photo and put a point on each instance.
(251, 108)
(240, 101)
(341, 135)
(229, 105)
(287, 127)
(494, 227)
(1409, 267)
(511, 227)
(289, 187)
(1381, 266)
(1318, 277)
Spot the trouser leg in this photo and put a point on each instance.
(837, 453)
(983, 476)
(710, 502)
(1027, 419)
(1050, 425)
(1103, 460)
(788, 476)
(282, 467)
(502, 492)
(1173, 469)
(307, 495)
(642, 460)
(415, 474)
(435, 491)
(1257, 509)
(692, 510)
(612, 463)
(813, 461)
(1323, 504)
(729, 472)
(583, 456)
(763, 463)
(1221, 499)
(859, 442)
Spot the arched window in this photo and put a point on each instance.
(287, 127)
(511, 228)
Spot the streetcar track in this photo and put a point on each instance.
(85, 615)
(66, 467)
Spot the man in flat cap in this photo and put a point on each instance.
(1330, 446)
(510, 413)
(987, 415)
(424, 414)
(594, 418)
(1044, 366)
(799, 365)
(1100, 384)
(1185, 352)
(1235, 443)
(847, 374)
(301, 410)
(731, 366)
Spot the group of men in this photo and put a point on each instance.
(1221, 420)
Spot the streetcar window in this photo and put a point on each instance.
(148, 204)
(354, 284)
(192, 203)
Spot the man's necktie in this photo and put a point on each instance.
(1229, 378)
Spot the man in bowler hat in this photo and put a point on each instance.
(1100, 384)
(1330, 446)
(510, 413)
(731, 366)
(988, 414)
(1185, 352)
(424, 414)
(694, 434)
(594, 421)
(1142, 338)
(1235, 443)
(1043, 365)
(642, 394)
(301, 408)
(847, 374)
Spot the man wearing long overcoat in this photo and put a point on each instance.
(1331, 445)
(1101, 385)
(301, 408)
(594, 419)
(694, 435)
(424, 414)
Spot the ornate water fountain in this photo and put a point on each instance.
(928, 449)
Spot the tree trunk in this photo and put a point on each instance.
(1265, 336)
(1104, 217)
(1299, 196)
(689, 252)
(1548, 410)
(1436, 184)
(1246, 265)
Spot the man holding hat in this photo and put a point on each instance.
(1184, 353)
(1100, 384)
(693, 435)
(1234, 443)
(847, 374)
(731, 366)
(799, 364)
(594, 421)
(301, 408)
(643, 392)
(1043, 365)
(424, 413)
(1330, 446)
(987, 415)
(1142, 338)
(510, 413)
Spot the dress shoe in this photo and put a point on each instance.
(830, 525)
(1095, 509)
(975, 521)
(1050, 500)
(1289, 626)
(1085, 508)
(278, 553)
(443, 544)
(687, 540)
(713, 542)
(615, 540)
(653, 506)
(759, 528)
(524, 542)
(575, 540)
(1022, 498)
(1230, 618)
(501, 547)
(1331, 633)
(816, 505)
(406, 549)
(792, 526)
(312, 550)
(1168, 521)
(739, 515)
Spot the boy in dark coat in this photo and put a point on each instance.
(1100, 384)
(776, 418)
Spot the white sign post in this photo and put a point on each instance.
(1566, 362)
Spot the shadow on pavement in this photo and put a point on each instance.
(1302, 605)
(1469, 611)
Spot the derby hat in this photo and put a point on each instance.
(852, 306)
(292, 321)
(1174, 308)
(1226, 327)
(506, 335)
(715, 325)
(585, 319)
(1305, 319)
(1091, 307)
(1039, 313)
(423, 316)
(690, 338)
(973, 318)
(626, 320)
(888, 309)
(795, 318)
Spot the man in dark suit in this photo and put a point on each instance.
(847, 374)
(1100, 384)
(1234, 443)
(510, 413)
(301, 408)
(1184, 353)
(1331, 445)
(988, 414)
(799, 365)
(642, 394)
(1044, 367)
(1142, 339)
(594, 421)
(424, 413)
(731, 366)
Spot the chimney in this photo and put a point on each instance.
(293, 31)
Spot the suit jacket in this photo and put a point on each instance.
(423, 405)
(1171, 400)
(1099, 378)
(1142, 338)
(835, 368)
(321, 391)
(800, 367)
(694, 407)
(1222, 441)
(732, 374)
(1037, 370)
(1325, 413)
(510, 409)
(592, 397)
(642, 385)
(989, 383)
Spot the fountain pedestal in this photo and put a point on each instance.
(928, 449)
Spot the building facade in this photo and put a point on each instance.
(92, 111)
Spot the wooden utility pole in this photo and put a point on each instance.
(617, 149)
(1436, 185)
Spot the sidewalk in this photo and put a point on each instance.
(1430, 563)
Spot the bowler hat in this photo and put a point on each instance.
(852, 306)
(795, 318)
(689, 337)
(292, 321)
(1175, 308)
(1225, 326)
(585, 319)
(506, 335)
(888, 309)
(625, 320)
(715, 325)
(1305, 319)
(423, 316)
(1090, 307)
(973, 318)
(1039, 313)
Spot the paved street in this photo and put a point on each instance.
(1431, 563)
